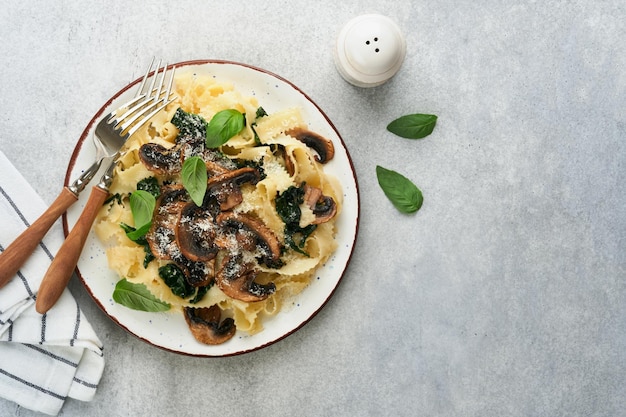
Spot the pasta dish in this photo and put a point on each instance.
(236, 229)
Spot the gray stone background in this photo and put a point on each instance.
(503, 296)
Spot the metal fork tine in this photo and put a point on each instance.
(157, 96)
(153, 94)
(149, 116)
(136, 105)
(139, 95)
(144, 107)
(170, 84)
(130, 121)
(145, 78)
(154, 76)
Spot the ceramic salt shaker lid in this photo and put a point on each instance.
(370, 50)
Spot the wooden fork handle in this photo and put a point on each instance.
(64, 263)
(21, 248)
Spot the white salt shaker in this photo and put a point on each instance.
(370, 50)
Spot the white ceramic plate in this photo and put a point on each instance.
(169, 330)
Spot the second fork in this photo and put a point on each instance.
(14, 256)
(121, 128)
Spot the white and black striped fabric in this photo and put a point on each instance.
(44, 359)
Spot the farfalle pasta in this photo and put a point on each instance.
(241, 256)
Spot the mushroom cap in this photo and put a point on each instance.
(206, 327)
(287, 159)
(324, 207)
(161, 236)
(159, 159)
(236, 279)
(268, 244)
(324, 147)
(226, 186)
(195, 233)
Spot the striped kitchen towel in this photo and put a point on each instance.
(44, 359)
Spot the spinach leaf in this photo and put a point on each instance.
(288, 208)
(404, 195)
(189, 124)
(296, 236)
(413, 126)
(288, 204)
(260, 112)
(151, 185)
(194, 176)
(174, 278)
(224, 125)
(201, 293)
(149, 257)
(137, 297)
(115, 198)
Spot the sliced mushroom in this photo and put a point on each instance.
(237, 280)
(206, 327)
(226, 187)
(161, 236)
(323, 207)
(197, 274)
(159, 159)
(217, 163)
(324, 147)
(190, 146)
(195, 233)
(265, 240)
(238, 177)
(288, 161)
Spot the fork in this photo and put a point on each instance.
(64, 263)
(107, 142)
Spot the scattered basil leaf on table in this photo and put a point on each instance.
(194, 176)
(137, 297)
(402, 193)
(223, 125)
(413, 126)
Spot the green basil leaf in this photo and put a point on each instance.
(142, 205)
(402, 193)
(223, 126)
(194, 176)
(137, 234)
(413, 126)
(137, 297)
